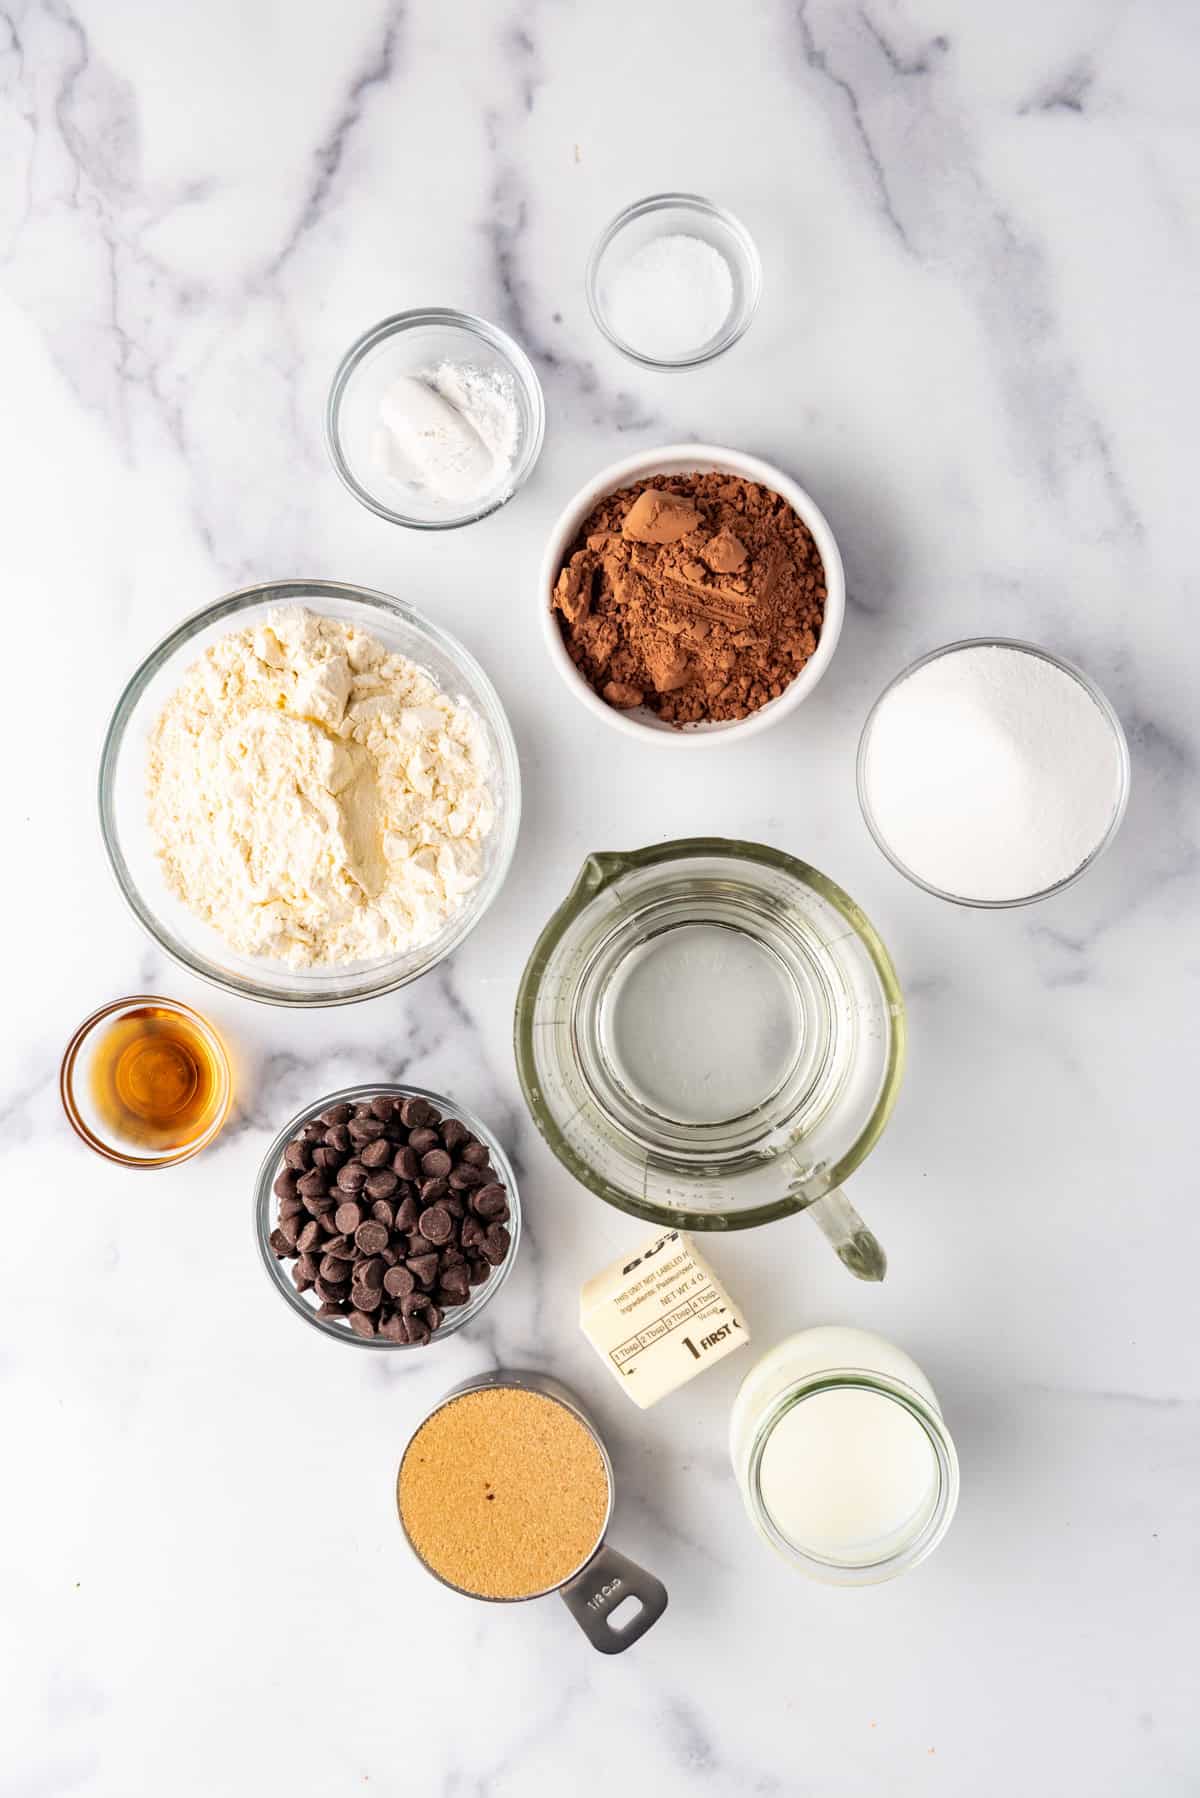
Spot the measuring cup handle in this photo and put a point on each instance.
(854, 1245)
(606, 1581)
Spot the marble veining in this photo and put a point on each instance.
(976, 348)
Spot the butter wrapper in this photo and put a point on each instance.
(660, 1316)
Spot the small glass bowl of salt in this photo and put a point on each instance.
(435, 418)
(674, 281)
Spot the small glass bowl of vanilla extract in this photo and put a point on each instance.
(146, 1082)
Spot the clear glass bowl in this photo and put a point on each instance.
(1093, 692)
(87, 1118)
(122, 795)
(414, 343)
(304, 1304)
(674, 215)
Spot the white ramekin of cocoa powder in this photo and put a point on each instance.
(705, 615)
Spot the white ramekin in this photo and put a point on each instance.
(684, 458)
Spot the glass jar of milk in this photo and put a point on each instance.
(842, 1457)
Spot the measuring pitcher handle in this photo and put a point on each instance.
(604, 1584)
(855, 1246)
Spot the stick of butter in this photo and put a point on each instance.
(658, 1317)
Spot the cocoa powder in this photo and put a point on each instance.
(699, 596)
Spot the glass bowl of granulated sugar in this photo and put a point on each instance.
(992, 773)
(673, 281)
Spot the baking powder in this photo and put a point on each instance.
(991, 773)
(453, 430)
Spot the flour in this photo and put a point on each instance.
(453, 431)
(314, 797)
(991, 773)
(669, 298)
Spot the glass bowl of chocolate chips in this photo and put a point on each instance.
(387, 1216)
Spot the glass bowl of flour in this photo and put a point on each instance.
(435, 419)
(992, 773)
(309, 794)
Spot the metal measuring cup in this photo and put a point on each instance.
(604, 1579)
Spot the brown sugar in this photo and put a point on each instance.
(699, 596)
(503, 1492)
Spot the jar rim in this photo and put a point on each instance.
(883, 1567)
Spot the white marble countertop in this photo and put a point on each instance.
(976, 347)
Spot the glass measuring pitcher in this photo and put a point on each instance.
(710, 1035)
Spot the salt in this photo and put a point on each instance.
(991, 773)
(669, 298)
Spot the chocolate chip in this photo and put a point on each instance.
(436, 1164)
(496, 1245)
(465, 1177)
(456, 1280)
(454, 1133)
(352, 1177)
(361, 1324)
(416, 1114)
(319, 1205)
(334, 1268)
(285, 1182)
(290, 1207)
(433, 1190)
(280, 1246)
(474, 1153)
(337, 1114)
(328, 1160)
(331, 1308)
(290, 1228)
(381, 1185)
(369, 1274)
(371, 1237)
(311, 1132)
(383, 1107)
(348, 1217)
(366, 1298)
(312, 1185)
(297, 1155)
(418, 1332)
(394, 1328)
(364, 1130)
(436, 1225)
(376, 1154)
(334, 1292)
(338, 1137)
(407, 1215)
(407, 1164)
(398, 1281)
(383, 1213)
(310, 1236)
(424, 1268)
(473, 1233)
(424, 1140)
(490, 1202)
(480, 1271)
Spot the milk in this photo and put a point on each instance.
(851, 1475)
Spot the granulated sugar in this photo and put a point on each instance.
(991, 773)
(503, 1492)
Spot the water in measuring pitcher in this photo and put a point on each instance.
(702, 1024)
